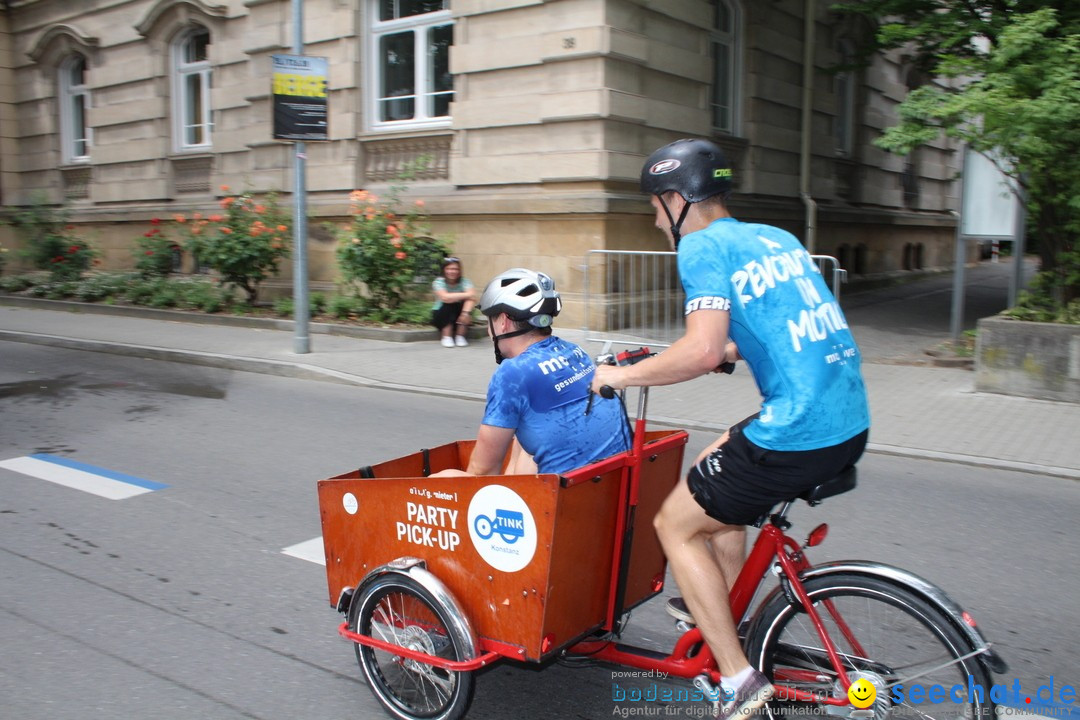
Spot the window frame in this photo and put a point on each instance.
(845, 86)
(67, 94)
(420, 26)
(180, 71)
(733, 40)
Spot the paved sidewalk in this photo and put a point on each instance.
(916, 410)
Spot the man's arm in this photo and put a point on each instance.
(700, 350)
(490, 450)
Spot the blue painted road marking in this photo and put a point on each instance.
(81, 476)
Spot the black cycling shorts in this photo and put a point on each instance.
(739, 481)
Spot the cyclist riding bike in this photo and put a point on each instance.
(752, 293)
(538, 400)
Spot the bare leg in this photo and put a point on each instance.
(705, 557)
(461, 328)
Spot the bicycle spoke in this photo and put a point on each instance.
(881, 634)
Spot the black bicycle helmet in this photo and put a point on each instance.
(696, 169)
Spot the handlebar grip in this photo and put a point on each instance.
(727, 368)
(607, 392)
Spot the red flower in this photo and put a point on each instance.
(149, 252)
(400, 255)
(155, 221)
(74, 249)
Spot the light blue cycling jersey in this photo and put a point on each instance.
(542, 394)
(788, 327)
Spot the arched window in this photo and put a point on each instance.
(192, 123)
(74, 99)
(410, 46)
(726, 51)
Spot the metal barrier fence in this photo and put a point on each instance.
(635, 297)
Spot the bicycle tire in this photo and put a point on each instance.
(397, 609)
(902, 635)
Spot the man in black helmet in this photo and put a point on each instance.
(752, 293)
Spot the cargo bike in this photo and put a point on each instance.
(439, 577)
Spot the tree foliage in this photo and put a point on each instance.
(1008, 76)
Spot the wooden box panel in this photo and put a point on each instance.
(527, 556)
(661, 467)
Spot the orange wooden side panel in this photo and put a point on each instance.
(660, 471)
(527, 556)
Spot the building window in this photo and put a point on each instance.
(191, 90)
(74, 100)
(844, 86)
(724, 40)
(411, 42)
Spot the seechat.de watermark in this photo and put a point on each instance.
(1048, 699)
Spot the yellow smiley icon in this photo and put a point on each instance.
(862, 693)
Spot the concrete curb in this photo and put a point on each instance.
(305, 371)
(363, 332)
(264, 366)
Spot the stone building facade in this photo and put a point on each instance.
(536, 114)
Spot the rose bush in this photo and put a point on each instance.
(386, 253)
(244, 245)
(51, 243)
(155, 252)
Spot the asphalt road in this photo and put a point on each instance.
(179, 603)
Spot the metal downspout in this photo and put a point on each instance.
(807, 129)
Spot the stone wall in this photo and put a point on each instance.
(1029, 359)
(556, 105)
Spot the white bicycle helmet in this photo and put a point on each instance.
(524, 295)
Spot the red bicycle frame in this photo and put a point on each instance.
(691, 656)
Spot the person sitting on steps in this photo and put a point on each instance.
(454, 300)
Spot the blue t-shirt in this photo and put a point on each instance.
(788, 327)
(542, 394)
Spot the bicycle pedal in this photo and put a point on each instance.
(710, 692)
(683, 626)
(861, 714)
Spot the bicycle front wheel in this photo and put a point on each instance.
(399, 610)
(884, 634)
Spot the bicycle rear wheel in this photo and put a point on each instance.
(883, 633)
(398, 610)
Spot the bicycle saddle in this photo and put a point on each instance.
(841, 483)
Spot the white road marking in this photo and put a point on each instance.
(310, 550)
(80, 476)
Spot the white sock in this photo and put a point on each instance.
(737, 679)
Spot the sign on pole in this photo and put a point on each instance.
(299, 89)
(989, 206)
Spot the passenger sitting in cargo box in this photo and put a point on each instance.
(537, 400)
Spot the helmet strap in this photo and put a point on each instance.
(676, 225)
(499, 357)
